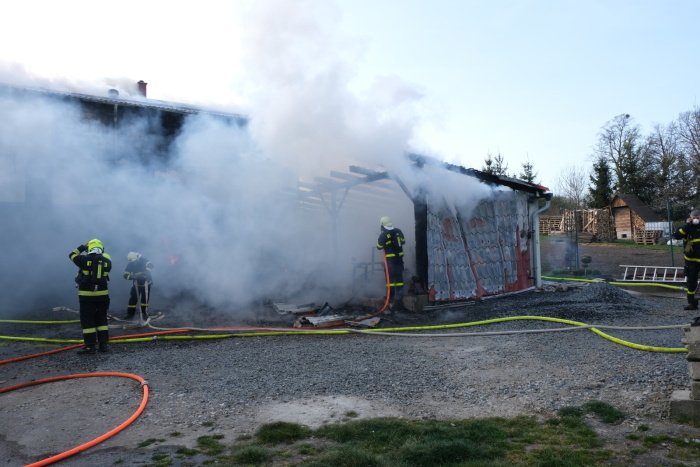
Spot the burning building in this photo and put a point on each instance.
(176, 181)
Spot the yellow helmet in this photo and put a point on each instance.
(95, 244)
(385, 222)
(133, 256)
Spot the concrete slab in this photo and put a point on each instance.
(695, 390)
(694, 370)
(683, 408)
(693, 352)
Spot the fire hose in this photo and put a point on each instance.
(101, 438)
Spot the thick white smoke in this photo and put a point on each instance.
(219, 212)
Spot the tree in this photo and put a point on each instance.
(689, 141)
(616, 138)
(600, 191)
(528, 174)
(671, 178)
(572, 185)
(619, 142)
(495, 165)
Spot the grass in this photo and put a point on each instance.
(562, 440)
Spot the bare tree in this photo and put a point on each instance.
(671, 178)
(572, 185)
(617, 141)
(689, 140)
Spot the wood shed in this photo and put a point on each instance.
(631, 215)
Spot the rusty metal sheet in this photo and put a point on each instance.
(479, 252)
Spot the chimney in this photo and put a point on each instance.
(142, 87)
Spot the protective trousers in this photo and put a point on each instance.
(93, 320)
(692, 269)
(139, 293)
(395, 266)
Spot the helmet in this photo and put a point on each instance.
(385, 222)
(695, 213)
(133, 256)
(95, 245)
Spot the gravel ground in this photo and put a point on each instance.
(232, 386)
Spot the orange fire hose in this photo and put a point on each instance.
(112, 339)
(388, 287)
(99, 439)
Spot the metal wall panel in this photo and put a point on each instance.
(475, 252)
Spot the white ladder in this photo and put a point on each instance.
(653, 273)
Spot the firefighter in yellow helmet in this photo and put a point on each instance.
(93, 294)
(391, 240)
(138, 270)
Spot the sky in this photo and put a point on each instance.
(532, 80)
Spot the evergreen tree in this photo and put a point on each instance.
(528, 173)
(495, 165)
(600, 192)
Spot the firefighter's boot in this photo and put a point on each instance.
(692, 302)
(90, 341)
(103, 338)
(87, 350)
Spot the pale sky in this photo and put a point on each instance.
(530, 79)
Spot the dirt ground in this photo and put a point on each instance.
(606, 258)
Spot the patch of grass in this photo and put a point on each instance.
(653, 440)
(282, 432)
(558, 456)
(161, 459)
(187, 451)
(252, 455)
(208, 424)
(147, 442)
(570, 411)
(642, 428)
(604, 411)
(633, 437)
(563, 440)
(175, 434)
(351, 414)
(210, 445)
(347, 457)
(573, 429)
(306, 449)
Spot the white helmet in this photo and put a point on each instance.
(385, 222)
(133, 256)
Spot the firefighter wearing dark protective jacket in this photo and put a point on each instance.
(690, 234)
(391, 240)
(93, 294)
(138, 270)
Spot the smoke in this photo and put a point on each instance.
(218, 212)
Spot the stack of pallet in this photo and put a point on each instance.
(549, 224)
(646, 237)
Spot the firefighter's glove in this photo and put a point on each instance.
(82, 248)
(127, 275)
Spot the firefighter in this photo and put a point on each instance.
(391, 240)
(138, 270)
(690, 234)
(93, 294)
